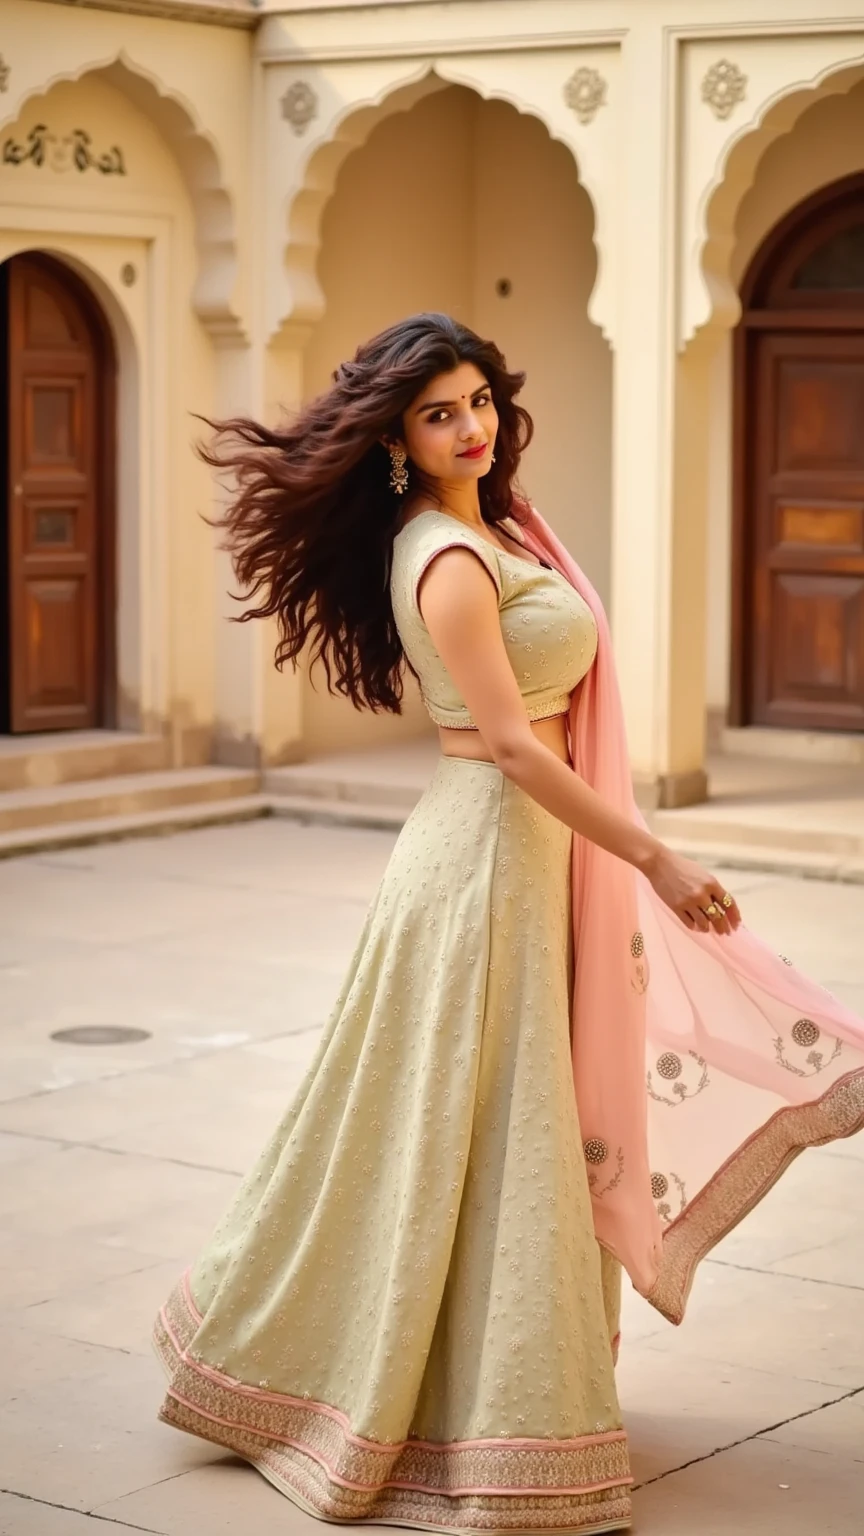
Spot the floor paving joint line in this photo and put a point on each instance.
(784, 1274)
(159, 1482)
(159, 1066)
(154, 1157)
(85, 1514)
(758, 1434)
(96, 1146)
(115, 1349)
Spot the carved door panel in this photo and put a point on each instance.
(808, 531)
(54, 559)
(798, 560)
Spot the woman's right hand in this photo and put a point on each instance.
(689, 890)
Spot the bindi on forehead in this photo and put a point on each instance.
(437, 405)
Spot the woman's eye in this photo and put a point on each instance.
(442, 415)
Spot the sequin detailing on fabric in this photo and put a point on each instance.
(357, 1476)
(548, 630)
(805, 1032)
(669, 1065)
(407, 1286)
(743, 1181)
(687, 1080)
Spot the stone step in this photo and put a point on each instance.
(178, 818)
(67, 757)
(394, 779)
(816, 865)
(131, 794)
(770, 859)
(314, 810)
(839, 747)
(739, 829)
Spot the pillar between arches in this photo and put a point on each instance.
(660, 426)
(259, 718)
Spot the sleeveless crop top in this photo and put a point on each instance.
(549, 630)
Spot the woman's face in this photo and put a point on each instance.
(449, 429)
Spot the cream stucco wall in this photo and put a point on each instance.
(260, 263)
(109, 227)
(440, 204)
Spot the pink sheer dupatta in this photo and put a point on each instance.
(702, 1064)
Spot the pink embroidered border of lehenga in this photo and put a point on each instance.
(702, 1064)
(307, 1450)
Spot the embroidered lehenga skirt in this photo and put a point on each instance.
(404, 1317)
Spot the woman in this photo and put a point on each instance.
(409, 1314)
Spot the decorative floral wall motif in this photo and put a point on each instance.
(72, 151)
(585, 92)
(723, 87)
(299, 106)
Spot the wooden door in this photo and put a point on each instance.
(808, 551)
(56, 557)
(798, 575)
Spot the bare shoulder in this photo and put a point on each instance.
(454, 575)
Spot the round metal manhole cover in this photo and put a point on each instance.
(100, 1034)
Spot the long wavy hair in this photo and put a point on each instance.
(311, 517)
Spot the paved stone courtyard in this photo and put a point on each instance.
(227, 947)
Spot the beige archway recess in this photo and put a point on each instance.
(307, 301)
(710, 291)
(299, 302)
(213, 297)
(504, 239)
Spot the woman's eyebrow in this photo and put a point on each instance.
(436, 405)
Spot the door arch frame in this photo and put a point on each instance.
(768, 303)
(105, 573)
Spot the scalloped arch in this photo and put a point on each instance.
(349, 131)
(196, 154)
(720, 304)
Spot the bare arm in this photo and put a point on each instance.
(458, 603)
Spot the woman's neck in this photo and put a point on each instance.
(459, 501)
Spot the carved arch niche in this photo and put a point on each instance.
(296, 300)
(213, 295)
(710, 272)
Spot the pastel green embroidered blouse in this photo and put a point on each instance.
(549, 631)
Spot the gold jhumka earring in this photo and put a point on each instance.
(398, 470)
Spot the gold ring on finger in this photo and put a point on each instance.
(713, 911)
(726, 900)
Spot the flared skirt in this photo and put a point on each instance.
(404, 1316)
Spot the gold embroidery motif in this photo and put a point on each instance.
(671, 1067)
(597, 1190)
(744, 1179)
(596, 1150)
(637, 946)
(805, 1032)
(660, 1188)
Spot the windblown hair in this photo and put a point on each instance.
(312, 517)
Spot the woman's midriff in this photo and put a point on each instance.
(552, 733)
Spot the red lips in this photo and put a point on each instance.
(474, 453)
